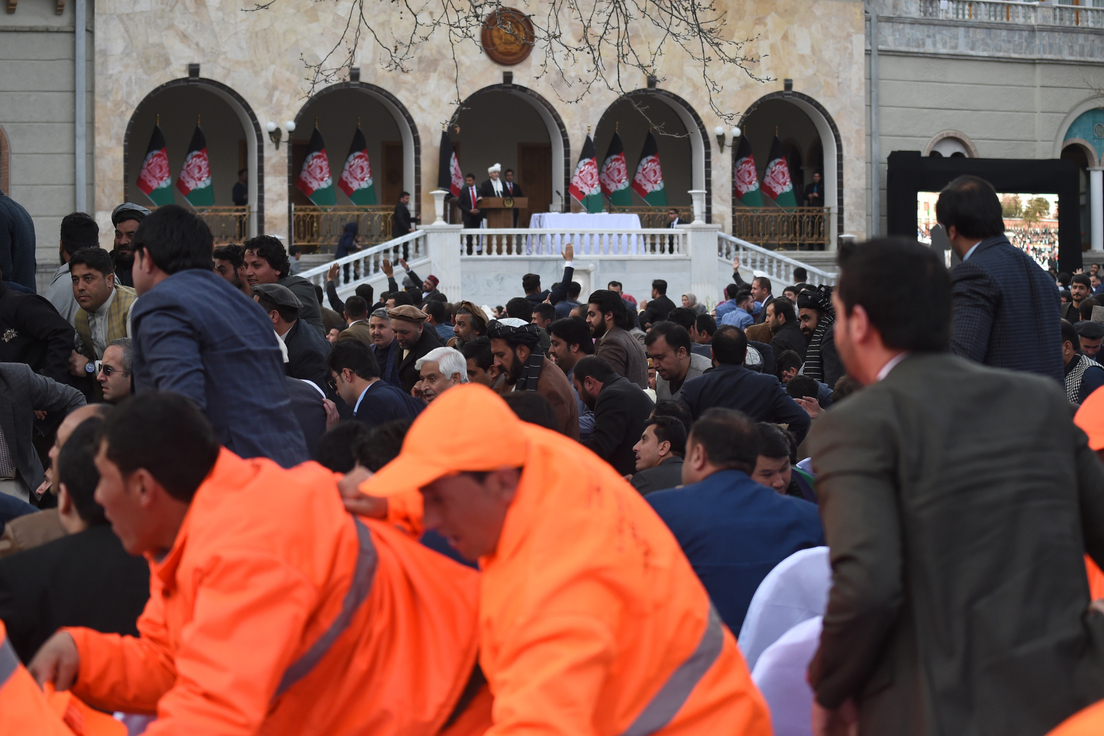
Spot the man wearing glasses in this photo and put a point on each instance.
(114, 376)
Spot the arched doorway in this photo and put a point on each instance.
(517, 128)
(684, 150)
(803, 125)
(1081, 138)
(394, 153)
(233, 143)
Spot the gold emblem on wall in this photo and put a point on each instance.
(507, 36)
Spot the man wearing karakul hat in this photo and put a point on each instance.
(514, 343)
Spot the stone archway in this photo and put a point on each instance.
(175, 104)
(693, 142)
(831, 146)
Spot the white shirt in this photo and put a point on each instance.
(366, 390)
(890, 365)
(971, 251)
(497, 184)
(60, 294)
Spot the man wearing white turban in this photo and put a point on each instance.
(493, 186)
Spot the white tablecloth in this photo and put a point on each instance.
(569, 224)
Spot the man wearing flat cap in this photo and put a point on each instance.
(125, 219)
(306, 349)
(470, 325)
(1090, 333)
(408, 324)
(517, 353)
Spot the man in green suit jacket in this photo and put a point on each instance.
(958, 502)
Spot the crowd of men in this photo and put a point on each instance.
(233, 502)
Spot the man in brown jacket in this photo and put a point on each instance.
(607, 319)
(514, 343)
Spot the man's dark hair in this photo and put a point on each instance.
(1064, 278)
(79, 230)
(677, 409)
(729, 345)
(404, 194)
(271, 250)
(669, 429)
(163, 433)
(845, 386)
(904, 289)
(1069, 334)
(728, 437)
(731, 291)
(573, 332)
(77, 470)
(383, 445)
(469, 174)
(478, 324)
(242, 171)
(337, 448)
(175, 240)
(705, 323)
(743, 295)
(660, 285)
(96, 259)
(971, 206)
(545, 310)
(573, 290)
(437, 310)
(803, 387)
(234, 254)
(785, 308)
(287, 314)
(774, 442)
(609, 301)
(595, 368)
(530, 283)
(356, 308)
(401, 298)
(354, 355)
(763, 282)
(674, 335)
(520, 308)
(294, 250)
(618, 284)
(786, 360)
(479, 350)
(1083, 279)
(683, 317)
(366, 292)
(1086, 307)
(532, 408)
(800, 275)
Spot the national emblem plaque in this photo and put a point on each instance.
(507, 36)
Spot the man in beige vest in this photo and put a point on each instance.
(105, 310)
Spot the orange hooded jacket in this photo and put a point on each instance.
(591, 619)
(23, 707)
(1087, 722)
(1090, 418)
(276, 611)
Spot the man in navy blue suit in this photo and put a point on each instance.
(733, 530)
(1006, 308)
(732, 386)
(356, 379)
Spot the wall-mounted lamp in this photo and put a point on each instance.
(720, 133)
(276, 135)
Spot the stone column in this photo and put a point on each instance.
(702, 248)
(1096, 209)
(443, 247)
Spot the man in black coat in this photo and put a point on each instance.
(85, 578)
(659, 307)
(621, 411)
(468, 202)
(17, 243)
(306, 349)
(408, 324)
(732, 386)
(32, 332)
(785, 329)
(511, 190)
(401, 222)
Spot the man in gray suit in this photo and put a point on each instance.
(958, 501)
(22, 393)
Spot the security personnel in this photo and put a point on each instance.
(272, 610)
(591, 619)
(23, 707)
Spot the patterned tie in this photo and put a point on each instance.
(7, 467)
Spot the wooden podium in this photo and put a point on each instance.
(500, 210)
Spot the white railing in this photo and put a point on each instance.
(1079, 16)
(592, 243)
(777, 267)
(364, 266)
(1022, 13)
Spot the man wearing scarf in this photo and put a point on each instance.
(514, 343)
(817, 316)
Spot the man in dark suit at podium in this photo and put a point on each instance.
(493, 187)
(511, 190)
(470, 213)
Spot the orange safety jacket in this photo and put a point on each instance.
(276, 611)
(1086, 722)
(591, 619)
(23, 707)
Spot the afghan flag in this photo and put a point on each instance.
(615, 174)
(194, 181)
(648, 182)
(315, 180)
(585, 187)
(356, 178)
(154, 179)
(746, 178)
(776, 179)
(449, 177)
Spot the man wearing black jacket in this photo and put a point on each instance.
(401, 221)
(32, 332)
(659, 307)
(306, 349)
(530, 282)
(621, 411)
(785, 330)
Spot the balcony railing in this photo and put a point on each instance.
(316, 230)
(801, 228)
(779, 268)
(653, 217)
(364, 265)
(592, 243)
(1023, 13)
